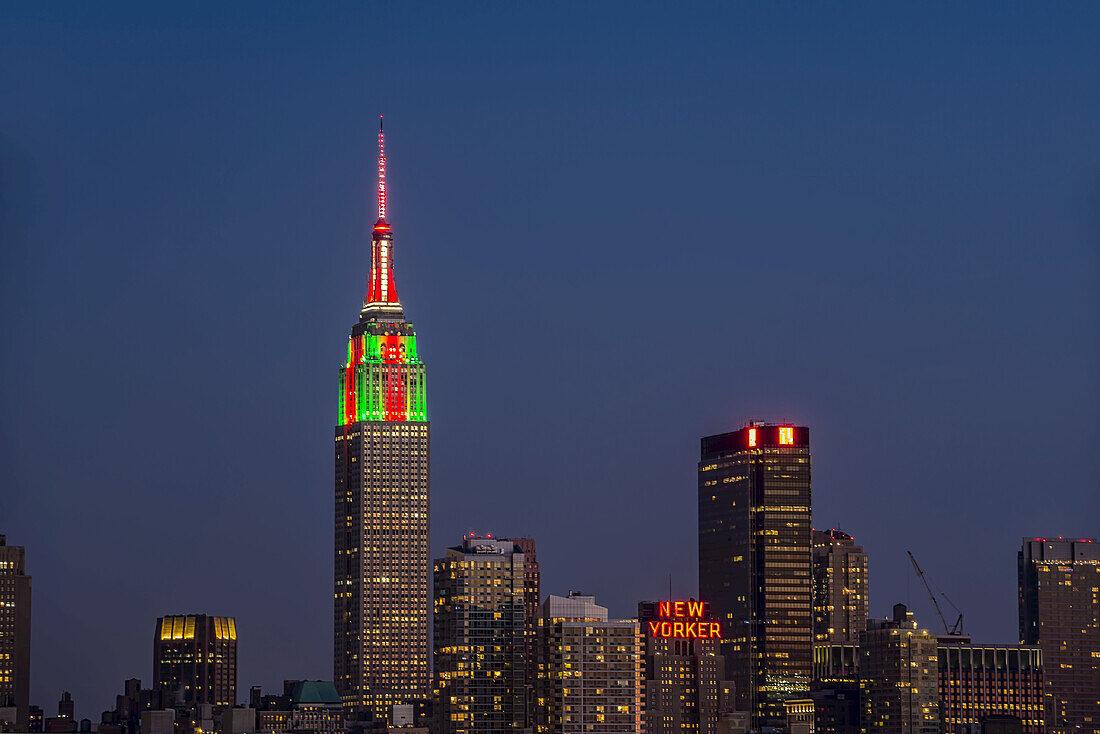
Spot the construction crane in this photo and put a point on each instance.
(957, 628)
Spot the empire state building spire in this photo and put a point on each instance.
(381, 577)
(381, 302)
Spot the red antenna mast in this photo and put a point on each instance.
(381, 173)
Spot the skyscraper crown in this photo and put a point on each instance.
(381, 303)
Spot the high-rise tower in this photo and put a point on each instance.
(381, 597)
(1060, 612)
(754, 562)
(479, 623)
(15, 631)
(195, 658)
(840, 587)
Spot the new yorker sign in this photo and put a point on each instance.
(684, 620)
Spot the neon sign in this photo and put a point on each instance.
(786, 435)
(752, 438)
(683, 620)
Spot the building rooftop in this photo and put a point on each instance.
(314, 691)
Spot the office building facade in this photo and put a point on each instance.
(683, 666)
(899, 677)
(755, 562)
(980, 682)
(195, 659)
(589, 669)
(15, 631)
(1059, 602)
(479, 642)
(840, 587)
(836, 688)
(381, 566)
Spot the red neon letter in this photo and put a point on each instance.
(695, 609)
(654, 628)
(666, 629)
(677, 609)
(662, 609)
(715, 629)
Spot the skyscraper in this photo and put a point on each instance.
(590, 669)
(1060, 612)
(683, 668)
(381, 551)
(195, 659)
(754, 562)
(15, 630)
(479, 640)
(840, 587)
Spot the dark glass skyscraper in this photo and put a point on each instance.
(1059, 586)
(15, 631)
(754, 562)
(381, 552)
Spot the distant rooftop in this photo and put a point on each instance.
(314, 691)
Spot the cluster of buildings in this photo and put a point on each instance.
(779, 637)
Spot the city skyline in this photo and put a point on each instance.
(896, 327)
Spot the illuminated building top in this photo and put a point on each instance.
(757, 436)
(383, 378)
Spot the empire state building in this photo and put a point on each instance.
(381, 597)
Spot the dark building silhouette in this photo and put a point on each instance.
(754, 562)
(195, 659)
(125, 718)
(1060, 612)
(65, 721)
(15, 631)
(381, 595)
(840, 587)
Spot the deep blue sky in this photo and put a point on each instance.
(619, 228)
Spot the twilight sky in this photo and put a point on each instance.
(618, 227)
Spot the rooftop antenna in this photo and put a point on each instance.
(381, 172)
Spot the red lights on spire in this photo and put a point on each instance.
(381, 173)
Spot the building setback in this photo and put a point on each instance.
(754, 562)
(981, 681)
(840, 587)
(590, 669)
(683, 668)
(1059, 592)
(479, 642)
(381, 603)
(195, 659)
(899, 677)
(15, 631)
